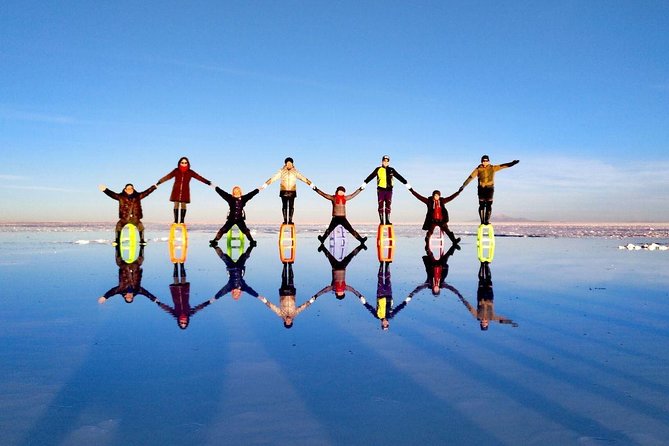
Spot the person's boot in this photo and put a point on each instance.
(117, 238)
(176, 215)
(488, 211)
(290, 215)
(381, 218)
(285, 215)
(183, 216)
(388, 218)
(454, 240)
(482, 214)
(141, 238)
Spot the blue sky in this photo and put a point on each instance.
(116, 92)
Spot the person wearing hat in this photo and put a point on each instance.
(288, 187)
(485, 172)
(129, 208)
(437, 215)
(339, 200)
(384, 187)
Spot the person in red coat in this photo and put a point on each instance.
(180, 196)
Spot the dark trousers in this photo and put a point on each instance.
(241, 224)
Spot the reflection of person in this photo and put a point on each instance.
(180, 196)
(485, 172)
(287, 309)
(339, 212)
(180, 291)
(338, 284)
(436, 271)
(384, 310)
(485, 300)
(384, 187)
(129, 207)
(129, 279)
(288, 187)
(236, 269)
(436, 215)
(236, 215)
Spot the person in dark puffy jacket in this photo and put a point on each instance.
(180, 195)
(129, 207)
(236, 214)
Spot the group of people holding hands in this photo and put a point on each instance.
(130, 208)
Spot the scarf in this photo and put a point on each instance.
(437, 210)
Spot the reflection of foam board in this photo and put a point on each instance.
(287, 242)
(437, 243)
(129, 243)
(178, 243)
(338, 237)
(485, 243)
(235, 237)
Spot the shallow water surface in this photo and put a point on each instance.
(574, 352)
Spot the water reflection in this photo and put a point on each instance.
(384, 310)
(338, 284)
(485, 301)
(180, 292)
(287, 309)
(129, 279)
(236, 268)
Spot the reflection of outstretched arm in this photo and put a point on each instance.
(112, 291)
(354, 291)
(461, 298)
(143, 291)
(366, 304)
(418, 289)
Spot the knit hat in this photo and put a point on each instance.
(288, 159)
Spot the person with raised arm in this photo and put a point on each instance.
(436, 215)
(288, 175)
(485, 172)
(236, 215)
(384, 187)
(180, 195)
(129, 208)
(339, 200)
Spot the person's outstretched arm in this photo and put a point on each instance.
(509, 164)
(200, 178)
(417, 195)
(451, 197)
(167, 177)
(108, 192)
(301, 177)
(399, 177)
(474, 174)
(147, 192)
(354, 194)
(324, 195)
(274, 177)
(371, 176)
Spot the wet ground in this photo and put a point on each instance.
(574, 351)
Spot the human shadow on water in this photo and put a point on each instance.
(180, 291)
(384, 310)
(129, 279)
(287, 309)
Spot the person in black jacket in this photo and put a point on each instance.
(437, 215)
(236, 215)
(236, 269)
(129, 207)
(384, 187)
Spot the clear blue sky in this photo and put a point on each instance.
(114, 92)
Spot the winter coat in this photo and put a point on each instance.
(181, 187)
(129, 206)
(429, 215)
